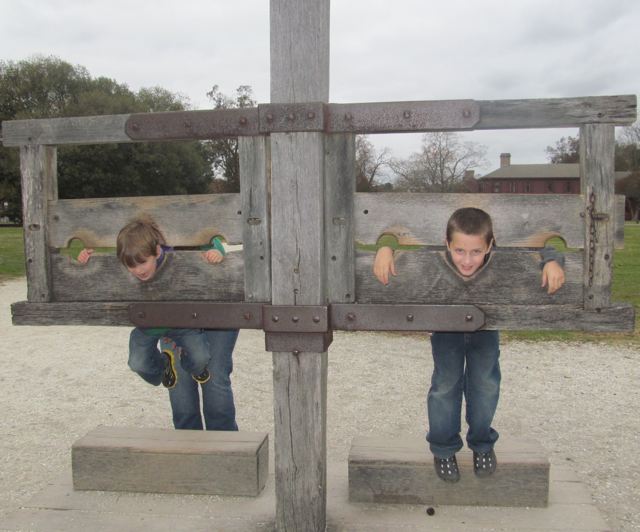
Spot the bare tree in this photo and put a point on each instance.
(440, 165)
(369, 164)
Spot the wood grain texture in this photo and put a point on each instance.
(558, 112)
(171, 461)
(94, 314)
(60, 131)
(189, 220)
(39, 180)
(256, 226)
(184, 275)
(519, 220)
(425, 277)
(597, 152)
(340, 185)
(400, 471)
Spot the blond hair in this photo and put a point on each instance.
(138, 241)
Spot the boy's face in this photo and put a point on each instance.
(468, 252)
(147, 269)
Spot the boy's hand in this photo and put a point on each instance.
(554, 275)
(85, 254)
(213, 255)
(384, 264)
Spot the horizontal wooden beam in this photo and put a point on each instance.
(364, 118)
(519, 220)
(619, 318)
(425, 277)
(189, 220)
(183, 276)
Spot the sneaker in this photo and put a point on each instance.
(447, 468)
(203, 377)
(484, 464)
(169, 375)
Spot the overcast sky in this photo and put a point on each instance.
(381, 50)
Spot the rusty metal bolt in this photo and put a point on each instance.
(407, 114)
(466, 113)
(243, 120)
(142, 314)
(348, 116)
(291, 117)
(135, 126)
(270, 117)
(316, 319)
(295, 319)
(56, 218)
(296, 271)
(275, 319)
(606, 257)
(410, 317)
(194, 315)
(351, 316)
(247, 315)
(430, 511)
(296, 352)
(311, 115)
(583, 214)
(187, 123)
(469, 317)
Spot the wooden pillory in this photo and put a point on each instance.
(298, 217)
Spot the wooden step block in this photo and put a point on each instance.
(400, 471)
(171, 461)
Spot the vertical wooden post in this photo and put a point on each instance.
(38, 165)
(299, 73)
(597, 153)
(340, 186)
(256, 236)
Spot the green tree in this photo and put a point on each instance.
(567, 150)
(47, 87)
(226, 161)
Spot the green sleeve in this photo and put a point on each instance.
(215, 244)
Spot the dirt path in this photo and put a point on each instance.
(579, 400)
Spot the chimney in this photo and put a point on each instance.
(505, 159)
(469, 175)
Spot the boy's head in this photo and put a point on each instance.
(138, 248)
(469, 238)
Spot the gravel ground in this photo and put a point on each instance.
(580, 400)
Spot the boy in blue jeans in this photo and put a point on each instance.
(467, 363)
(141, 249)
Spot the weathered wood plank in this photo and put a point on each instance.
(558, 112)
(426, 277)
(59, 131)
(39, 180)
(184, 275)
(299, 72)
(171, 461)
(519, 220)
(340, 186)
(400, 471)
(619, 318)
(597, 147)
(189, 220)
(256, 226)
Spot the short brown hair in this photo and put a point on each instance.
(138, 241)
(470, 221)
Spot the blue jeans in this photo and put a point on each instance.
(217, 397)
(148, 362)
(463, 363)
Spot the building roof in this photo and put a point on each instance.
(531, 171)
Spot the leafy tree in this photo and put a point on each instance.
(440, 165)
(47, 87)
(369, 165)
(630, 187)
(567, 150)
(226, 161)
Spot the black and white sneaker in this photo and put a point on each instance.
(169, 375)
(447, 468)
(203, 377)
(484, 464)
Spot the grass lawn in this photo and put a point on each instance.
(626, 280)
